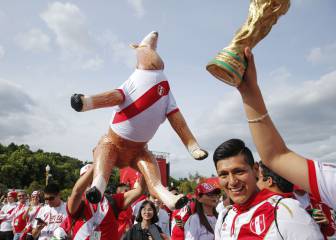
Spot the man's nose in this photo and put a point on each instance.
(232, 179)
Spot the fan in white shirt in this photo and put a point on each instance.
(201, 225)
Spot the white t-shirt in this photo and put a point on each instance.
(148, 101)
(6, 215)
(304, 200)
(163, 222)
(53, 216)
(193, 230)
(322, 181)
(258, 222)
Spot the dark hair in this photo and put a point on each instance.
(233, 147)
(282, 183)
(203, 219)
(154, 219)
(52, 188)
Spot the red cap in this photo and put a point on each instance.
(12, 194)
(203, 188)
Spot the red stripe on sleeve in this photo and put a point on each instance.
(174, 111)
(313, 180)
(122, 93)
(142, 103)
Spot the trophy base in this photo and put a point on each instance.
(228, 67)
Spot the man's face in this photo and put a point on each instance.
(22, 197)
(52, 199)
(237, 178)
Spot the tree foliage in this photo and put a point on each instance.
(25, 169)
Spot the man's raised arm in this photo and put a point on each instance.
(270, 145)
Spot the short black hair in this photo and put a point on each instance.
(52, 188)
(233, 147)
(284, 185)
(154, 219)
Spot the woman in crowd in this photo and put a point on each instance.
(146, 229)
(31, 213)
(201, 225)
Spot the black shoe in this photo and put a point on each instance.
(93, 195)
(181, 202)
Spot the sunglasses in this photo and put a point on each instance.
(212, 194)
(51, 198)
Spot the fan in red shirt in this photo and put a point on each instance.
(96, 221)
(19, 221)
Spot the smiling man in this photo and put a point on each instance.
(256, 214)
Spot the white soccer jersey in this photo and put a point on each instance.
(6, 216)
(193, 230)
(53, 216)
(258, 222)
(147, 102)
(322, 181)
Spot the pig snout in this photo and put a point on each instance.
(150, 40)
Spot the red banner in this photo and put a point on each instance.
(129, 176)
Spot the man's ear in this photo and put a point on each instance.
(256, 169)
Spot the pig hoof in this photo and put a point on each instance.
(76, 102)
(181, 202)
(93, 195)
(199, 154)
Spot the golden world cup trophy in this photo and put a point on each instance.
(229, 65)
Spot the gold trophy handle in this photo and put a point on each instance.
(229, 65)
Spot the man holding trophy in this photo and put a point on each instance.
(317, 178)
(235, 66)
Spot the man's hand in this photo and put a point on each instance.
(250, 75)
(319, 217)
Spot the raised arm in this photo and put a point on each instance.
(270, 145)
(180, 126)
(82, 103)
(132, 195)
(76, 195)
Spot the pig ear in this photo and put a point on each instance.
(134, 46)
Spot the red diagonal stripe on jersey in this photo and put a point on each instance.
(253, 232)
(142, 103)
(313, 180)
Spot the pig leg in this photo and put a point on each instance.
(181, 128)
(149, 168)
(105, 156)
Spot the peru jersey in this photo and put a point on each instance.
(322, 181)
(53, 216)
(147, 102)
(19, 223)
(258, 222)
(96, 221)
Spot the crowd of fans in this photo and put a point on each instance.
(132, 214)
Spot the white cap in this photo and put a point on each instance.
(84, 169)
(35, 193)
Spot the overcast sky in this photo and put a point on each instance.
(52, 49)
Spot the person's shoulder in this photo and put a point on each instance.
(194, 218)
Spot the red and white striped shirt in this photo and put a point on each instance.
(19, 223)
(148, 100)
(322, 181)
(256, 220)
(93, 220)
